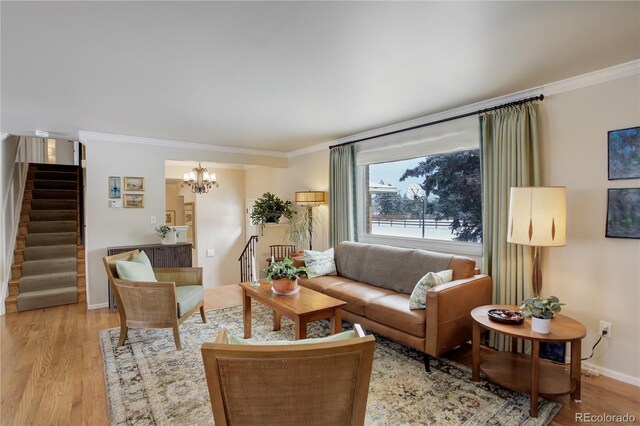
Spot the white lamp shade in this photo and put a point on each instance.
(538, 216)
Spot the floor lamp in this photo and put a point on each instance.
(310, 199)
(538, 218)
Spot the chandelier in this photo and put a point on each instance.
(200, 180)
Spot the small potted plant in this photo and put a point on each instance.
(284, 276)
(169, 235)
(541, 310)
(269, 208)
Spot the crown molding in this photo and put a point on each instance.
(626, 69)
(573, 83)
(85, 136)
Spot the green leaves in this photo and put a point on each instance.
(269, 208)
(541, 307)
(284, 269)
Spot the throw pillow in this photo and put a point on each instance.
(418, 298)
(137, 269)
(320, 263)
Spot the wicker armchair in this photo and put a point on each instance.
(310, 384)
(155, 304)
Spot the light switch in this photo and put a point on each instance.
(210, 252)
(153, 220)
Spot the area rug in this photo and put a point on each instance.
(150, 383)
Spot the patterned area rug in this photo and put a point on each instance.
(150, 383)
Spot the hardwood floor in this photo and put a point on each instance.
(51, 370)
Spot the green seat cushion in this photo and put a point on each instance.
(345, 335)
(137, 269)
(188, 296)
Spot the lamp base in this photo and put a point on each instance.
(536, 281)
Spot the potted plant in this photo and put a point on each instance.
(300, 229)
(284, 276)
(169, 235)
(269, 208)
(541, 310)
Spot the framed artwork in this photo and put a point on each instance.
(133, 201)
(114, 187)
(170, 217)
(134, 184)
(190, 221)
(623, 213)
(624, 153)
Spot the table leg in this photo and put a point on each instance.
(514, 344)
(336, 321)
(535, 366)
(300, 328)
(475, 365)
(576, 366)
(246, 313)
(276, 320)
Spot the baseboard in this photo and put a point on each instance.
(98, 306)
(612, 374)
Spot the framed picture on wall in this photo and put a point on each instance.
(170, 217)
(114, 187)
(134, 184)
(624, 153)
(133, 201)
(623, 213)
(190, 221)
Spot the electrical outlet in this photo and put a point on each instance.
(606, 326)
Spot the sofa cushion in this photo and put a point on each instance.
(389, 267)
(393, 311)
(320, 284)
(418, 298)
(356, 294)
(320, 263)
(188, 296)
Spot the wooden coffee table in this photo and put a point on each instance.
(303, 307)
(524, 373)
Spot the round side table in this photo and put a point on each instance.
(527, 373)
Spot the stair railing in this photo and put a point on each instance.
(248, 260)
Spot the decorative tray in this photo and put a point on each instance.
(505, 316)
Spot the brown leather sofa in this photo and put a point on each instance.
(376, 282)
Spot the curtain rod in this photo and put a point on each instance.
(456, 117)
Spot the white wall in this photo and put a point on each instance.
(598, 278)
(107, 226)
(305, 172)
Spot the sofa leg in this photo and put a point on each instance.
(427, 367)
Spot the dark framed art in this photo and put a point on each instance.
(624, 153)
(623, 213)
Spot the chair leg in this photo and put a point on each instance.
(427, 367)
(176, 337)
(204, 318)
(123, 334)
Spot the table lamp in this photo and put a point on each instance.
(538, 218)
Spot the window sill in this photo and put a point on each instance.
(473, 250)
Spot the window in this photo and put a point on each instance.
(423, 190)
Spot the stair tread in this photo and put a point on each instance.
(39, 293)
(51, 275)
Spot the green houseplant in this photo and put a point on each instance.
(284, 276)
(301, 228)
(164, 231)
(541, 310)
(269, 208)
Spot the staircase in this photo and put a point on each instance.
(48, 265)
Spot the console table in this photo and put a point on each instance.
(160, 256)
(527, 373)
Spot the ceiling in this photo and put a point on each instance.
(286, 75)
